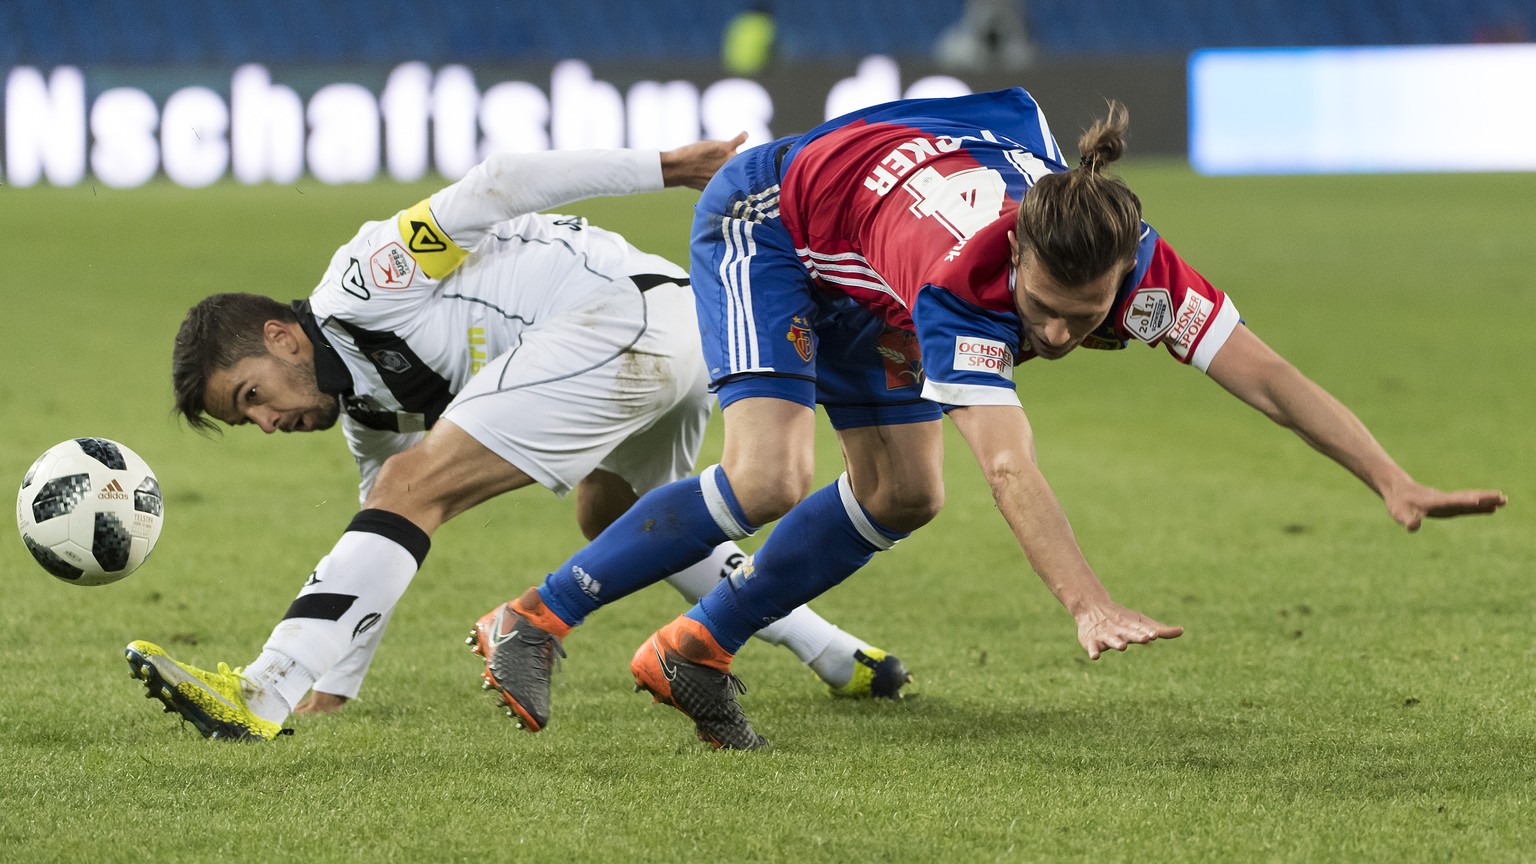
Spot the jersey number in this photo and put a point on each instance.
(964, 202)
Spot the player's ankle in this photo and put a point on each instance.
(531, 606)
(835, 663)
(693, 642)
(265, 702)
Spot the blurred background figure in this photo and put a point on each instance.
(1504, 21)
(990, 35)
(747, 47)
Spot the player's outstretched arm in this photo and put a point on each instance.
(1001, 439)
(507, 185)
(692, 165)
(1254, 373)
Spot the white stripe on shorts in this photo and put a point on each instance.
(736, 276)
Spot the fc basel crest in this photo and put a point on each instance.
(800, 334)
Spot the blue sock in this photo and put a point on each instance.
(667, 530)
(817, 545)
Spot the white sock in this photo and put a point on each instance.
(835, 663)
(815, 640)
(349, 593)
(274, 683)
(702, 577)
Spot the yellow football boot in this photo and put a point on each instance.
(210, 701)
(876, 675)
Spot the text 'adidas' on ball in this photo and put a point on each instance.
(89, 511)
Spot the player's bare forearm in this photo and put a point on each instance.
(693, 164)
(1321, 420)
(1000, 439)
(1040, 526)
(1253, 372)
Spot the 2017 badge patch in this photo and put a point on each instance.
(1149, 315)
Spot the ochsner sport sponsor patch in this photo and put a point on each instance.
(1149, 315)
(974, 354)
(1193, 313)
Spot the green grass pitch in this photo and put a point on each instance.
(1345, 691)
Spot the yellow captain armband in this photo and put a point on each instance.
(430, 245)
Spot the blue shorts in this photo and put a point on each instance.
(768, 330)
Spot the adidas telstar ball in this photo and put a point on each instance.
(89, 511)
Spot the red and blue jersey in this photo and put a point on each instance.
(905, 208)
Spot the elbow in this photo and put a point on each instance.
(1008, 469)
(1270, 407)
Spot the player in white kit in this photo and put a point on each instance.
(536, 348)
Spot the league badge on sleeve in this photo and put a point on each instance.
(1149, 315)
(392, 267)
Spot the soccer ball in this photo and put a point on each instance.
(89, 511)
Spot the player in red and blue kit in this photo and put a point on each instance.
(894, 265)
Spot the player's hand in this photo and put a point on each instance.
(1111, 625)
(1411, 504)
(692, 165)
(316, 702)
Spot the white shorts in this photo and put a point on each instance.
(617, 383)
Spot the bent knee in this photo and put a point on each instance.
(770, 495)
(403, 485)
(402, 470)
(906, 510)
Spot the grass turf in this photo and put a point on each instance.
(1344, 691)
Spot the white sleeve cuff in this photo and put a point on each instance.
(1216, 335)
(969, 394)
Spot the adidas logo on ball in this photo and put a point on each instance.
(113, 490)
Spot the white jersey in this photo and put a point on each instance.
(555, 344)
(414, 306)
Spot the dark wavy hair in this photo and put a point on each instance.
(217, 333)
(1083, 222)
